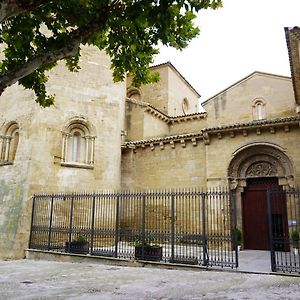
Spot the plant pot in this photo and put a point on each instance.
(150, 253)
(77, 248)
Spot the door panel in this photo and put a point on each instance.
(254, 213)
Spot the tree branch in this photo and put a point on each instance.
(11, 8)
(69, 49)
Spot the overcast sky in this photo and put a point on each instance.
(242, 37)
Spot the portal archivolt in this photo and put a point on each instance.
(260, 160)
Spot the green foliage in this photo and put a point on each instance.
(295, 238)
(238, 233)
(138, 242)
(145, 244)
(79, 241)
(128, 30)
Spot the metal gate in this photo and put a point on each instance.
(284, 228)
(183, 226)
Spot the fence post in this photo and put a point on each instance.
(93, 224)
(117, 225)
(71, 222)
(50, 224)
(172, 226)
(232, 196)
(270, 223)
(32, 219)
(204, 238)
(143, 222)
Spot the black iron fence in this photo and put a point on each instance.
(187, 226)
(284, 229)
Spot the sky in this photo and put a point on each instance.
(242, 37)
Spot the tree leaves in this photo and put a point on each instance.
(129, 32)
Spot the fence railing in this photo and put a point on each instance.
(183, 226)
(284, 229)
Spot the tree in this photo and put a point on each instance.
(38, 33)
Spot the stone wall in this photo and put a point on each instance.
(168, 93)
(235, 105)
(192, 125)
(156, 94)
(172, 164)
(89, 95)
(140, 124)
(178, 91)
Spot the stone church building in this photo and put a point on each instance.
(106, 136)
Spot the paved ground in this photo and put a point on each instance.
(254, 261)
(29, 279)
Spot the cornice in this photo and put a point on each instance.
(245, 128)
(161, 142)
(206, 134)
(178, 119)
(254, 124)
(164, 117)
(137, 102)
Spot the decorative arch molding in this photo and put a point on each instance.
(9, 140)
(10, 127)
(134, 93)
(78, 143)
(260, 160)
(259, 109)
(82, 123)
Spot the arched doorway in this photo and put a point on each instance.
(255, 214)
(253, 170)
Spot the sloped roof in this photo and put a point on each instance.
(254, 124)
(292, 36)
(164, 117)
(169, 120)
(242, 80)
(206, 133)
(177, 137)
(169, 64)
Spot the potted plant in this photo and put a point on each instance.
(147, 251)
(80, 245)
(295, 241)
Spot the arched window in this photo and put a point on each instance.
(77, 141)
(259, 109)
(78, 144)
(185, 105)
(9, 143)
(134, 93)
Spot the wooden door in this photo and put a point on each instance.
(255, 213)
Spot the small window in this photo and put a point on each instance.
(134, 93)
(9, 143)
(185, 105)
(77, 141)
(78, 144)
(259, 109)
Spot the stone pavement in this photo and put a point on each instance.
(255, 261)
(30, 279)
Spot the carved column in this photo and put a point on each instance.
(7, 147)
(63, 147)
(1, 147)
(64, 154)
(92, 150)
(87, 141)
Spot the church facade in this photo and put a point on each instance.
(106, 136)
